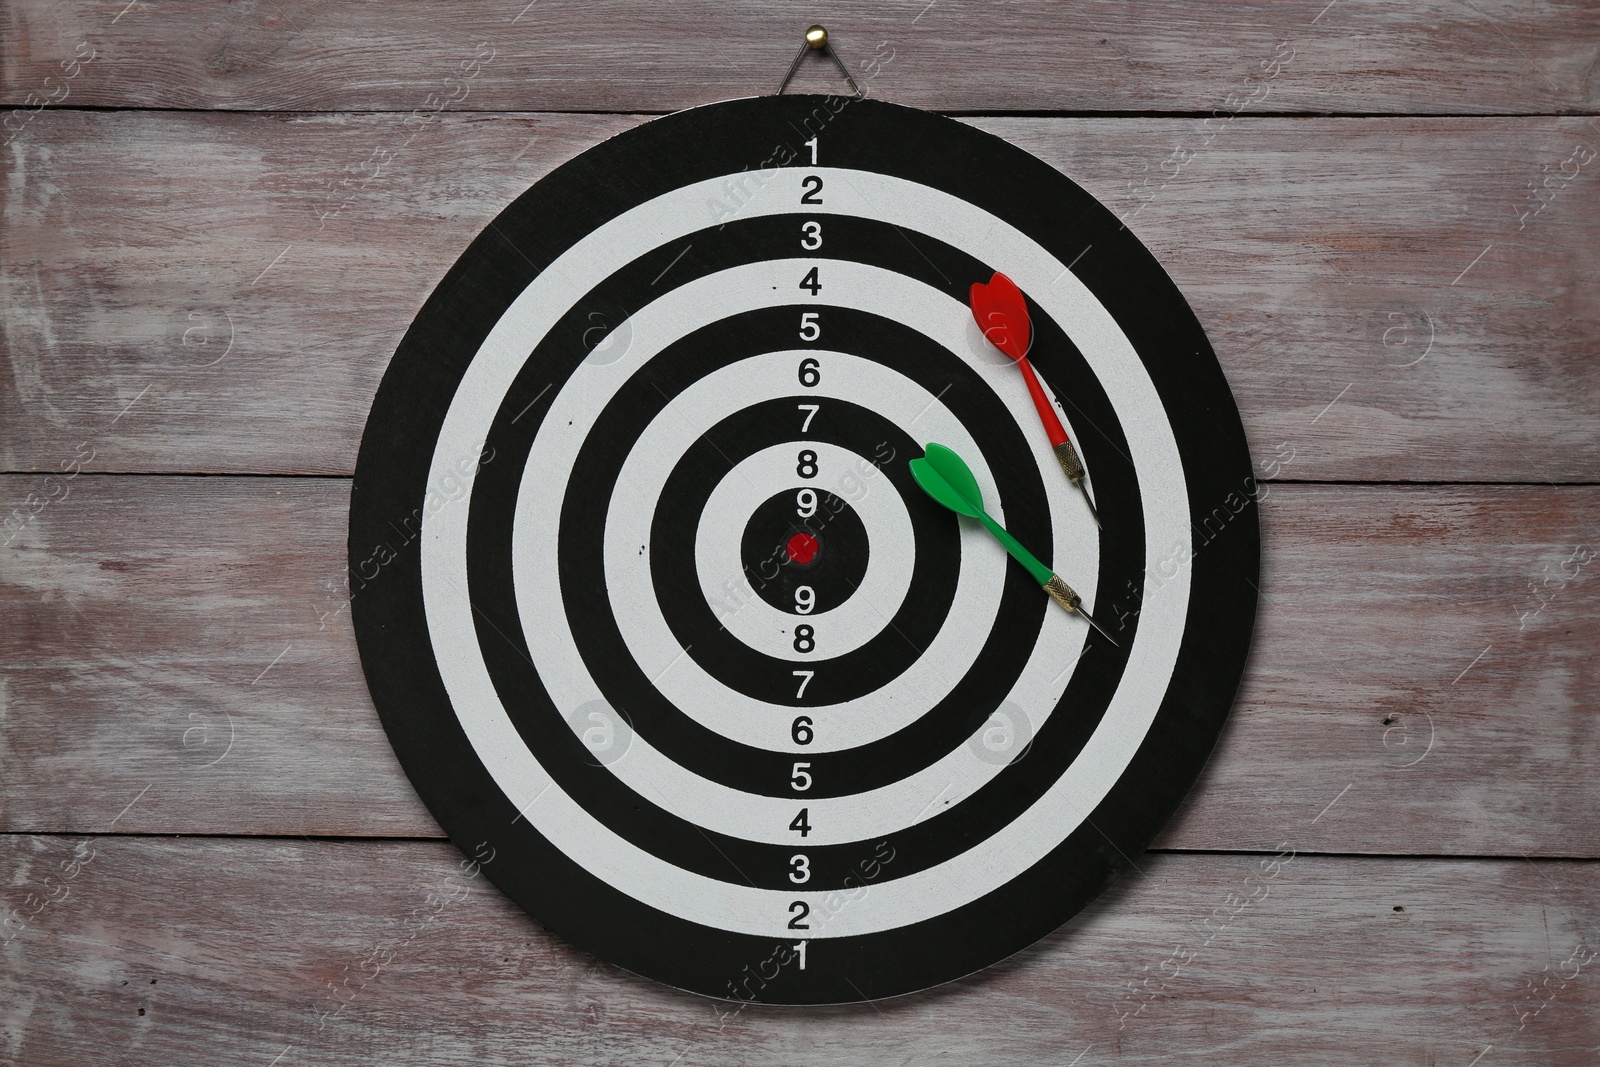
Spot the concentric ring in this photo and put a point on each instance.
(726, 679)
(976, 818)
(748, 817)
(803, 550)
(719, 562)
(681, 677)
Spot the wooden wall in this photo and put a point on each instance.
(208, 844)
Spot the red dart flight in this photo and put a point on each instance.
(1002, 315)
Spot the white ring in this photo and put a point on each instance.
(676, 675)
(999, 858)
(651, 642)
(645, 769)
(729, 591)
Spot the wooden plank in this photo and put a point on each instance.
(1356, 56)
(1422, 679)
(1382, 311)
(236, 952)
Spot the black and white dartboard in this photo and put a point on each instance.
(665, 633)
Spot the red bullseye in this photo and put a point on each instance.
(802, 548)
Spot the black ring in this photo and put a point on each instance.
(676, 736)
(901, 640)
(802, 538)
(851, 771)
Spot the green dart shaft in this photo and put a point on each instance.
(945, 477)
(1040, 572)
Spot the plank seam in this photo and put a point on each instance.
(365, 839)
(978, 113)
(314, 476)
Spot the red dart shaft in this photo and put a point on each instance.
(1047, 411)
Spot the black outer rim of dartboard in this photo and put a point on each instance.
(390, 494)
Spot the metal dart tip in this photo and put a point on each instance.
(1093, 511)
(1090, 620)
(1072, 467)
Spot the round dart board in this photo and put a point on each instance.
(673, 637)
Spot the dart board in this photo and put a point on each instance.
(669, 638)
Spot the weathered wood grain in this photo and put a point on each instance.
(1366, 284)
(178, 658)
(219, 292)
(236, 952)
(1356, 55)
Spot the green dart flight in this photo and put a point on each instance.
(946, 477)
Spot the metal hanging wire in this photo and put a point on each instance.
(817, 41)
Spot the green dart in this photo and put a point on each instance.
(946, 477)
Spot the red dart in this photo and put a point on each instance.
(1002, 315)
